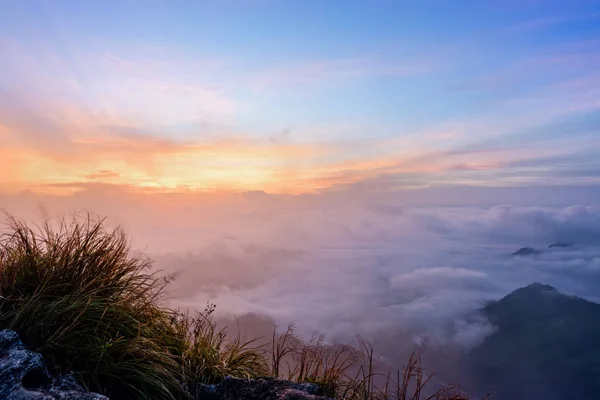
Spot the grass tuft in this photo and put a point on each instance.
(79, 296)
(209, 354)
(349, 373)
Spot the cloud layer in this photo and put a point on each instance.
(347, 266)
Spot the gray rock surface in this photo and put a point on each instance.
(23, 375)
(259, 389)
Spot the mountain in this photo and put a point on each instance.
(561, 244)
(526, 251)
(547, 347)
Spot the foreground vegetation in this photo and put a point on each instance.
(79, 296)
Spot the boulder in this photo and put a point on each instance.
(259, 389)
(23, 375)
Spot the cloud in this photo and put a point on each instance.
(392, 268)
(469, 334)
(138, 157)
(336, 70)
(143, 123)
(580, 224)
(142, 159)
(109, 88)
(153, 121)
(475, 167)
(439, 276)
(378, 273)
(102, 175)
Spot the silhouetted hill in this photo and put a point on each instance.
(560, 244)
(526, 251)
(546, 347)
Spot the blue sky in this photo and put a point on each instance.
(313, 93)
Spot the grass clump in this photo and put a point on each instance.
(312, 360)
(79, 296)
(350, 373)
(209, 354)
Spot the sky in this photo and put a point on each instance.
(293, 97)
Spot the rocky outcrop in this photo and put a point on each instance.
(259, 389)
(23, 375)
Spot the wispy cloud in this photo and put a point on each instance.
(109, 89)
(156, 119)
(102, 175)
(44, 152)
(336, 71)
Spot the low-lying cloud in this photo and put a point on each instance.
(375, 267)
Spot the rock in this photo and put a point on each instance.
(526, 251)
(259, 389)
(23, 375)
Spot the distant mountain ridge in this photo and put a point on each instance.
(547, 347)
(529, 251)
(526, 251)
(561, 244)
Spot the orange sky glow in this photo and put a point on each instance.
(159, 164)
(69, 162)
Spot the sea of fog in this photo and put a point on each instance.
(394, 273)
